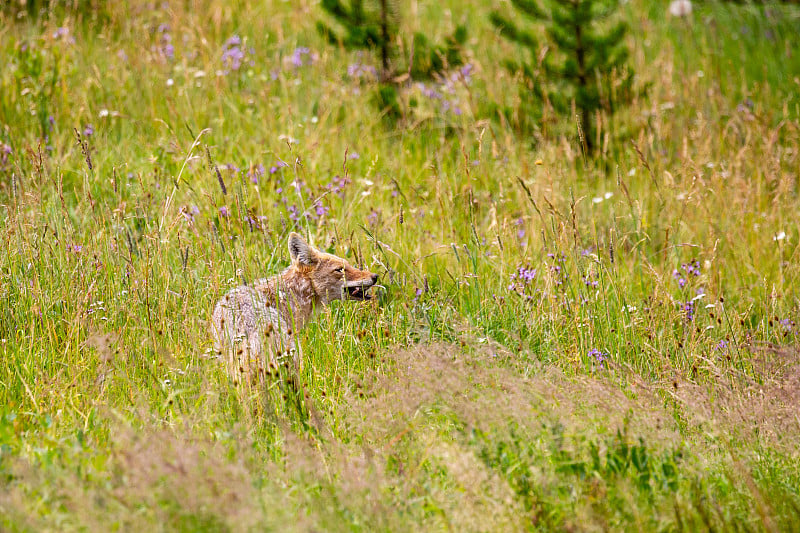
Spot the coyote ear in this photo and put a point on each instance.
(300, 251)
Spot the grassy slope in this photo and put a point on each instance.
(463, 405)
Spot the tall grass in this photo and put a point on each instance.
(561, 342)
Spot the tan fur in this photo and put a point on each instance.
(255, 325)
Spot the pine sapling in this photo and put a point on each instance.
(374, 25)
(585, 62)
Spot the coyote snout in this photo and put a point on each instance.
(255, 324)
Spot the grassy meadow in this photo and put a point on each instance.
(562, 341)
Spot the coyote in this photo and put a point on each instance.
(251, 320)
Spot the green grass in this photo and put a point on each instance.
(463, 397)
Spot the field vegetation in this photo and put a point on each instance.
(564, 339)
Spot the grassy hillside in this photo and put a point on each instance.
(563, 341)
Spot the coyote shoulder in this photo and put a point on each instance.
(254, 325)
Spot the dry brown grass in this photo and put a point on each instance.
(168, 477)
(401, 452)
(485, 395)
(735, 406)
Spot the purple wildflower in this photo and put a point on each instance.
(223, 211)
(233, 54)
(189, 213)
(321, 210)
(373, 217)
(527, 274)
(691, 269)
(337, 185)
(559, 273)
(521, 278)
(520, 222)
(359, 70)
(277, 166)
(429, 92)
(598, 356)
(722, 346)
(745, 106)
(168, 50)
(688, 308)
(88, 131)
(63, 33)
(255, 173)
(466, 72)
(5, 151)
(301, 56)
(232, 58)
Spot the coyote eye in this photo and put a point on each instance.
(340, 269)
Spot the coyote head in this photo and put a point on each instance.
(330, 276)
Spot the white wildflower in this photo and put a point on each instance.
(680, 8)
